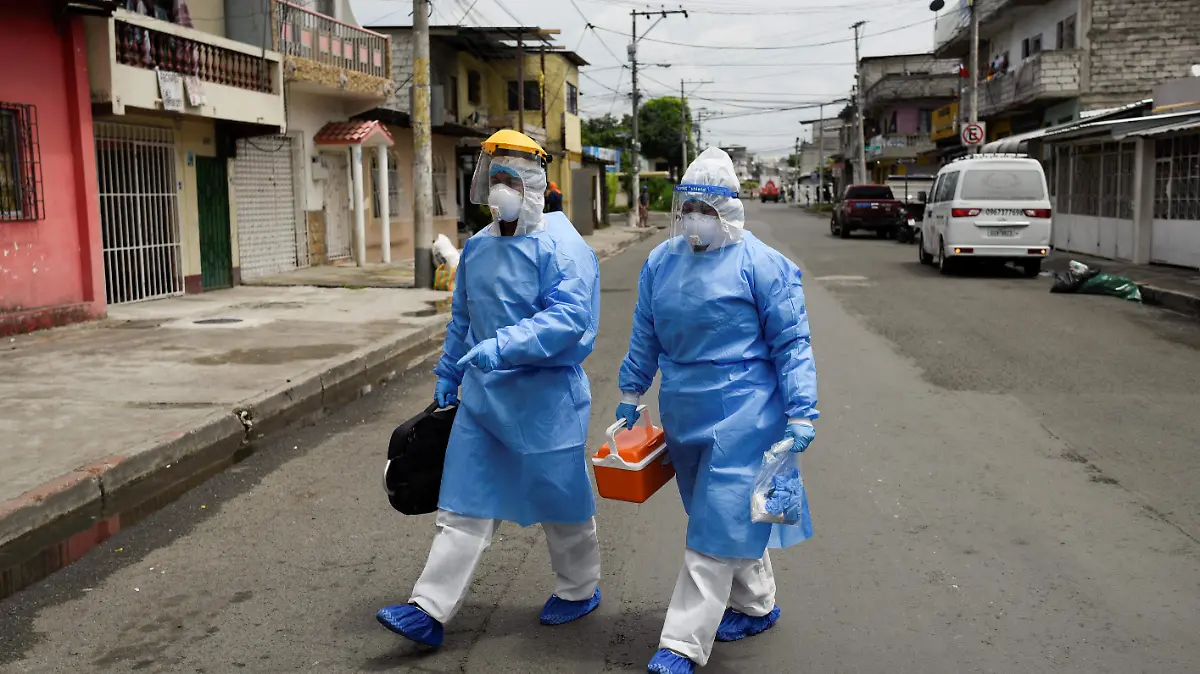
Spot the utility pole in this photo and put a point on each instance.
(520, 83)
(858, 103)
(821, 154)
(684, 119)
(682, 131)
(796, 169)
(973, 71)
(633, 65)
(422, 150)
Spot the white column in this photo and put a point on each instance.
(385, 213)
(360, 222)
(1143, 199)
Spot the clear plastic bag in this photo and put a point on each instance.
(779, 496)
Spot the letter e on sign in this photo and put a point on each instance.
(974, 133)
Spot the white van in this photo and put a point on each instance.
(987, 208)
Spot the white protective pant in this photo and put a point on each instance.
(706, 586)
(460, 542)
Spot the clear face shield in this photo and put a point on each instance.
(700, 219)
(512, 185)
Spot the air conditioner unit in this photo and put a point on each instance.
(437, 104)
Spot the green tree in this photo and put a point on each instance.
(660, 130)
(606, 131)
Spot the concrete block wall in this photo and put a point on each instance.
(1059, 72)
(1135, 45)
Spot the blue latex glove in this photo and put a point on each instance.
(801, 436)
(485, 356)
(629, 413)
(445, 393)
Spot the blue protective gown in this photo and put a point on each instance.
(517, 451)
(730, 333)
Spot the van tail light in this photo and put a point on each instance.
(1038, 212)
(964, 212)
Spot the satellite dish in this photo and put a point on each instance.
(1196, 70)
(937, 5)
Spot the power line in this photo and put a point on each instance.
(776, 47)
(739, 9)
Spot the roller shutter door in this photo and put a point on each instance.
(270, 237)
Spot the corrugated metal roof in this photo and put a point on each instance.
(1117, 127)
(353, 133)
(1186, 125)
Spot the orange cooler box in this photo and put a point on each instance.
(638, 468)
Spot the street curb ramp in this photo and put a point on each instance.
(51, 526)
(45, 529)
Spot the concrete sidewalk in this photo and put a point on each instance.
(1173, 288)
(104, 422)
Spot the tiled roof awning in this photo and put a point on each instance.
(370, 133)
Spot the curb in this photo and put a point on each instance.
(46, 529)
(51, 526)
(1171, 299)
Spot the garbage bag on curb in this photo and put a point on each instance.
(779, 496)
(1085, 280)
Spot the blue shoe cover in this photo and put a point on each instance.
(410, 622)
(670, 662)
(560, 611)
(736, 625)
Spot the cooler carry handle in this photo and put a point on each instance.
(619, 424)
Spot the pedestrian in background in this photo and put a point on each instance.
(553, 198)
(722, 315)
(524, 317)
(644, 207)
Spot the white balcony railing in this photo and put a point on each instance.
(898, 145)
(129, 53)
(310, 35)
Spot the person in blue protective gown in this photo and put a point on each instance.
(524, 317)
(722, 315)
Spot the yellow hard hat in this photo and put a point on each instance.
(514, 143)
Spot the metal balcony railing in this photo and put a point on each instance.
(144, 47)
(309, 35)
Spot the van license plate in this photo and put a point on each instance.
(1002, 231)
(1003, 211)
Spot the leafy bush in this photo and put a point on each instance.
(662, 191)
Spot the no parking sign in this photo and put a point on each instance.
(974, 133)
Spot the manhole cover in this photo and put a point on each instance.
(217, 321)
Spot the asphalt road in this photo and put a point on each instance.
(1003, 481)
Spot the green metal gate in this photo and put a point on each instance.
(212, 191)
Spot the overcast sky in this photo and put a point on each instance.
(757, 54)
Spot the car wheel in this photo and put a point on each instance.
(1031, 268)
(844, 231)
(833, 227)
(945, 266)
(923, 257)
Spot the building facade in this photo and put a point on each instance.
(51, 269)
(1044, 62)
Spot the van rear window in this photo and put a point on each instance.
(869, 192)
(1002, 185)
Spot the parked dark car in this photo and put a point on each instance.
(867, 207)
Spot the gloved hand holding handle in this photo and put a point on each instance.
(627, 410)
(801, 433)
(445, 393)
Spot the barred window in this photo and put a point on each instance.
(394, 192)
(21, 195)
(440, 190)
(1177, 178)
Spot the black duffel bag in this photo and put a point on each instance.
(416, 454)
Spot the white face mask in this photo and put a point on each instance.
(505, 202)
(702, 230)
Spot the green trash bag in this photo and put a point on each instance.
(1115, 286)
(1080, 278)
